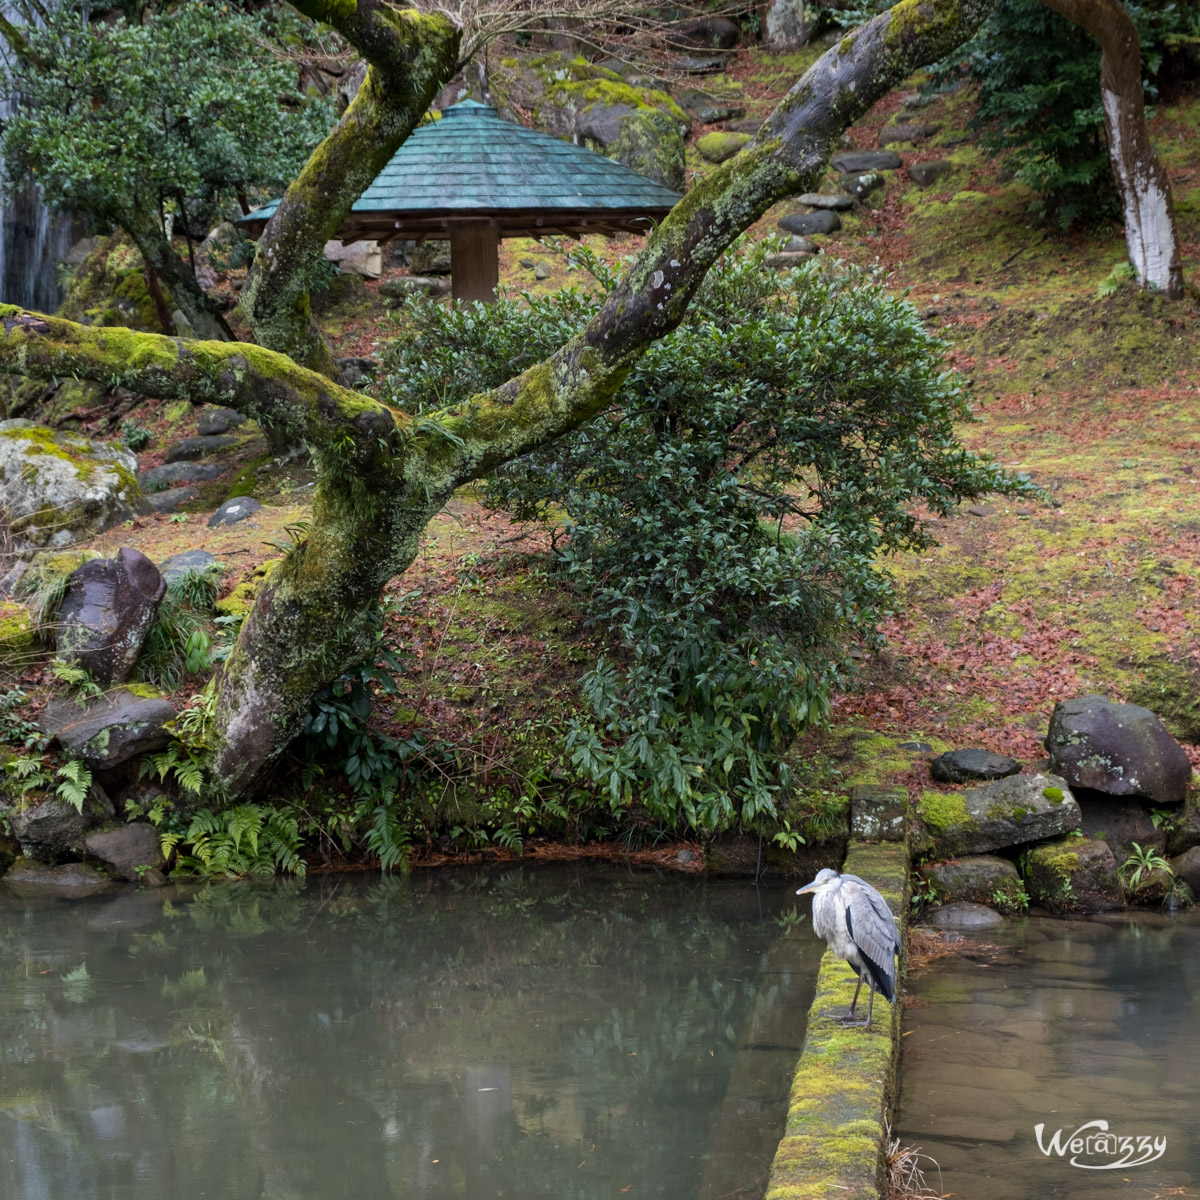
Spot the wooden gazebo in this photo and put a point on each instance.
(472, 178)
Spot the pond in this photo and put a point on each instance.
(1064, 1024)
(556, 1032)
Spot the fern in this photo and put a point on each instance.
(75, 785)
(248, 839)
(388, 840)
(76, 677)
(178, 762)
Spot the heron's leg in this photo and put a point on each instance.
(854, 1002)
(871, 1004)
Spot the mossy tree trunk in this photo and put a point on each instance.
(1150, 229)
(409, 56)
(381, 473)
(165, 269)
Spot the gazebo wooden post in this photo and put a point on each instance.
(474, 261)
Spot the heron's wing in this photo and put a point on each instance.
(878, 903)
(874, 934)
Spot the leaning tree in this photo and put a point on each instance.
(383, 473)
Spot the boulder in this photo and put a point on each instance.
(650, 144)
(806, 224)
(106, 612)
(429, 258)
(51, 831)
(855, 162)
(1075, 875)
(719, 145)
(926, 173)
(58, 488)
(700, 64)
(1119, 822)
(221, 238)
(172, 500)
(109, 729)
(859, 185)
(905, 133)
(1005, 812)
(180, 472)
(354, 369)
(79, 252)
(233, 511)
(788, 26)
(707, 33)
(965, 916)
(963, 766)
(1183, 825)
(72, 880)
(817, 200)
(187, 560)
(400, 287)
(358, 258)
(189, 449)
(1120, 749)
(977, 879)
(125, 848)
(214, 421)
(1187, 867)
(785, 260)
(632, 121)
(705, 109)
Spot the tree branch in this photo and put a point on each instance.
(787, 156)
(410, 55)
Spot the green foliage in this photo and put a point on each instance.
(135, 436)
(32, 773)
(1141, 863)
(727, 518)
(1122, 274)
(248, 839)
(16, 729)
(76, 780)
(378, 769)
(27, 773)
(77, 678)
(1039, 80)
(131, 121)
(178, 644)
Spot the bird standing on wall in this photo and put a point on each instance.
(858, 926)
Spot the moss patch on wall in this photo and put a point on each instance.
(845, 1081)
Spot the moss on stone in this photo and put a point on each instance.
(720, 145)
(943, 811)
(845, 1081)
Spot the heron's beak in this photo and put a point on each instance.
(808, 887)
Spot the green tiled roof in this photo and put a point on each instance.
(473, 162)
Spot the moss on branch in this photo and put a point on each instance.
(258, 382)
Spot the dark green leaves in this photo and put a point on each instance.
(118, 118)
(728, 518)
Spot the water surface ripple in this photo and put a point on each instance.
(1072, 1022)
(556, 1032)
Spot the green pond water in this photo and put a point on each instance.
(1066, 1024)
(557, 1032)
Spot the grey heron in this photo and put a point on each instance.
(858, 926)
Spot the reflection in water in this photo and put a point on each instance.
(515, 1034)
(1078, 1021)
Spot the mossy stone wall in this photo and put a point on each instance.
(845, 1082)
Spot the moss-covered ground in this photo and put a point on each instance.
(1091, 588)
